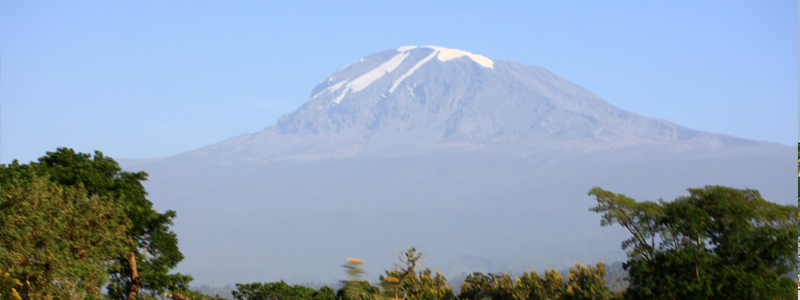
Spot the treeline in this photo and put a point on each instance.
(75, 226)
(407, 282)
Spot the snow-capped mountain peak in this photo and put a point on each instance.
(431, 96)
(445, 54)
(340, 85)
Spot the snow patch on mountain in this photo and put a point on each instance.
(446, 54)
(368, 78)
(411, 71)
(330, 89)
(443, 54)
(365, 80)
(406, 48)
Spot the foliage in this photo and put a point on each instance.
(404, 282)
(56, 241)
(482, 286)
(9, 286)
(280, 290)
(225, 291)
(324, 293)
(587, 282)
(355, 288)
(190, 295)
(718, 242)
(151, 249)
(584, 282)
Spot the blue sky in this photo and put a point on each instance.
(141, 79)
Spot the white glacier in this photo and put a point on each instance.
(331, 89)
(406, 48)
(443, 54)
(368, 78)
(446, 54)
(340, 97)
(336, 86)
(363, 81)
(411, 71)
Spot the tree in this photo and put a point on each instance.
(355, 288)
(532, 286)
(587, 282)
(56, 241)
(404, 282)
(553, 284)
(272, 291)
(190, 295)
(479, 286)
(151, 247)
(718, 242)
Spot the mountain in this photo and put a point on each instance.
(483, 164)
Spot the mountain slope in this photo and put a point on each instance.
(409, 100)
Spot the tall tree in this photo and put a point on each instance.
(718, 242)
(152, 248)
(56, 242)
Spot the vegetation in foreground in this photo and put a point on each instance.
(72, 224)
(718, 242)
(407, 282)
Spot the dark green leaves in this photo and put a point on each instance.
(150, 247)
(718, 242)
(55, 240)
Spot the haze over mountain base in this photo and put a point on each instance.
(483, 165)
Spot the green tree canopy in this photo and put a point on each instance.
(151, 248)
(582, 283)
(405, 282)
(280, 290)
(356, 288)
(718, 242)
(587, 282)
(56, 241)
